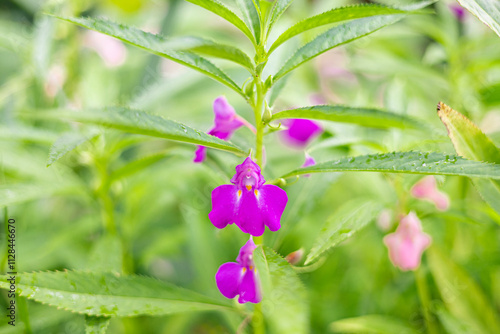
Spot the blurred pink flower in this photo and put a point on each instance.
(384, 220)
(111, 50)
(300, 132)
(56, 77)
(457, 10)
(407, 244)
(427, 189)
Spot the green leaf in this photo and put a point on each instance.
(432, 163)
(284, 303)
(213, 49)
(461, 294)
(219, 9)
(471, 143)
(18, 193)
(30, 134)
(336, 36)
(344, 223)
(362, 116)
(139, 122)
(251, 15)
(278, 9)
(374, 324)
(96, 325)
(106, 255)
(109, 294)
(333, 16)
(65, 144)
(486, 10)
(156, 44)
(136, 166)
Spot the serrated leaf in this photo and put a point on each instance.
(339, 35)
(110, 294)
(284, 303)
(333, 16)
(213, 49)
(432, 163)
(65, 144)
(470, 142)
(251, 15)
(96, 325)
(486, 10)
(462, 296)
(155, 44)
(374, 324)
(362, 116)
(348, 220)
(278, 9)
(221, 10)
(139, 122)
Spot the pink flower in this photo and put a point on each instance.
(407, 244)
(248, 202)
(426, 189)
(226, 122)
(384, 220)
(240, 278)
(300, 132)
(111, 50)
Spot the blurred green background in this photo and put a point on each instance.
(161, 205)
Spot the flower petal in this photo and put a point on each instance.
(200, 154)
(272, 200)
(224, 201)
(248, 214)
(228, 279)
(250, 288)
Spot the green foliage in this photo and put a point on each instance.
(406, 162)
(284, 304)
(470, 142)
(110, 294)
(139, 122)
(346, 221)
(221, 10)
(362, 116)
(157, 45)
(65, 144)
(251, 15)
(333, 16)
(462, 296)
(339, 35)
(96, 325)
(375, 324)
(486, 11)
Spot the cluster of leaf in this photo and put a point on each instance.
(116, 178)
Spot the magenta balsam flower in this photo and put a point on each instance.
(427, 189)
(308, 162)
(248, 202)
(240, 278)
(300, 132)
(225, 124)
(407, 244)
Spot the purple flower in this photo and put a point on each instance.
(240, 278)
(248, 202)
(309, 162)
(458, 11)
(300, 132)
(407, 244)
(225, 124)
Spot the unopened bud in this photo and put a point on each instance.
(267, 115)
(295, 257)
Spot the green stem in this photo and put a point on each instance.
(423, 294)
